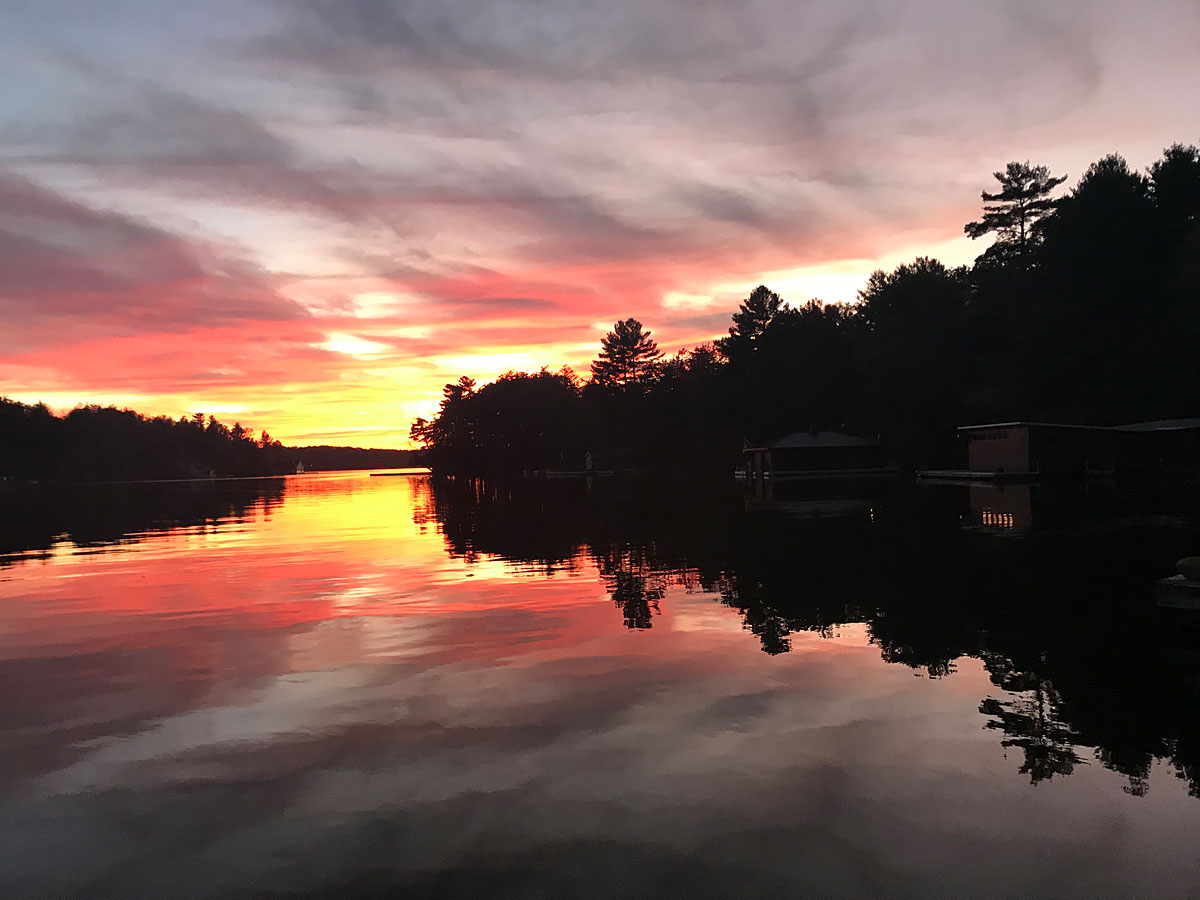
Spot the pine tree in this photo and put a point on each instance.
(1014, 211)
(750, 322)
(627, 355)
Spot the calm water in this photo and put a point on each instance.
(339, 685)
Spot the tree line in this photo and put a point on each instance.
(1085, 309)
(98, 443)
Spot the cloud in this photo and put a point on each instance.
(155, 126)
(73, 268)
(471, 175)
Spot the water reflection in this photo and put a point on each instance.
(1002, 507)
(344, 685)
(1064, 624)
(1093, 506)
(1032, 721)
(36, 518)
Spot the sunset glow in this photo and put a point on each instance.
(309, 216)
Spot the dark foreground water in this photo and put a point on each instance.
(339, 686)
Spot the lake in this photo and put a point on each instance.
(339, 685)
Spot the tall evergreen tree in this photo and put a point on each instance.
(1014, 211)
(627, 355)
(750, 322)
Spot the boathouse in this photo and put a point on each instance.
(1028, 450)
(814, 453)
(1171, 445)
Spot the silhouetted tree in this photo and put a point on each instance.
(627, 355)
(912, 297)
(519, 421)
(1014, 211)
(1175, 189)
(1098, 244)
(98, 443)
(916, 357)
(751, 321)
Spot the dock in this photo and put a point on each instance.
(1179, 592)
(975, 475)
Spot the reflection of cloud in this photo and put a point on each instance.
(324, 695)
(557, 760)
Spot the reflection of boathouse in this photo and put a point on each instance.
(1071, 508)
(814, 453)
(1001, 507)
(816, 474)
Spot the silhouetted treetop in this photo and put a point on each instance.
(914, 295)
(627, 355)
(752, 319)
(1014, 211)
(1175, 188)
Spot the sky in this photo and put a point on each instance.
(309, 215)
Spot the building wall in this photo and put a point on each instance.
(998, 450)
(823, 459)
(1155, 451)
(1072, 451)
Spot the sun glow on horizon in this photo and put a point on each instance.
(840, 281)
(369, 391)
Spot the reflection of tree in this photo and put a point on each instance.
(1061, 620)
(920, 635)
(1189, 770)
(1031, 721)
(636, 600)
(767, 621)
(636, 586)
(535, 527)
(36, 517)
(771, 628)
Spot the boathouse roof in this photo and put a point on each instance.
(992, 425)
(1161, 425)
(803, 440)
